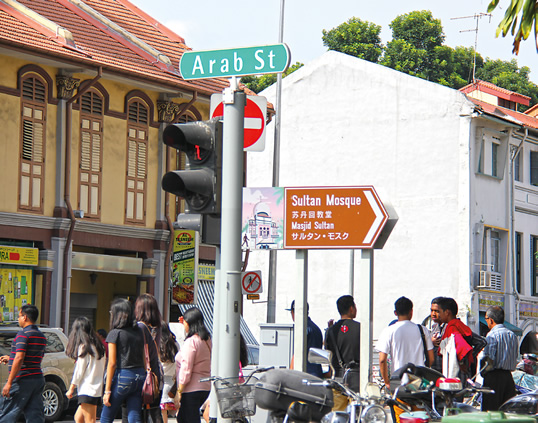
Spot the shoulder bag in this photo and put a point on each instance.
(351, 370)
(150, 389)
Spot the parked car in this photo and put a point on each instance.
(57, 368)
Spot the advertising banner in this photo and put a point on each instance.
(184, 266)
(15, 291)
(19, 255)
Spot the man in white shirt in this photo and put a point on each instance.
(404, 342)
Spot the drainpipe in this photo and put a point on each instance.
(514, 293)
(67, 196)
(166, 310)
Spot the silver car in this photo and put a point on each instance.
(57, 368)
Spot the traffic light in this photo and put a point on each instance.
(200, 183)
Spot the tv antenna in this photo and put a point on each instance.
(476, 17)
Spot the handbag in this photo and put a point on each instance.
(150, 389)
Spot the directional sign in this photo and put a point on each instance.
(332, 217)
(234, 62)
(255, 113)
(251, 282)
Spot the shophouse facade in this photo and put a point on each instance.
(86, 88)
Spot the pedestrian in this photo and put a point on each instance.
(23, 391)
(501, 354)
(101, 333)
(125, 372)
(167, 353)
(405, 342)
(437, 328)
(455, 342)
(193, 362)
(86, 348)
(314, 339)
(343, 339)
(149, 320)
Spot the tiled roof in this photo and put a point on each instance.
(533, 111)
(507, 114)
(493, 89)
(98, 45)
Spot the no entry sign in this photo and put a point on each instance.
(255, 113)
(251, 282)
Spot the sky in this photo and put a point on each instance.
(218, 24)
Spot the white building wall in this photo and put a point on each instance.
(346, 121)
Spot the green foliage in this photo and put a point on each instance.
(524, 11)
(260, 83)
(355, 37)
(418, 28)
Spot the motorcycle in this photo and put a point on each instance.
(295, 396)
(429, 391)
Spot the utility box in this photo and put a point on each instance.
(276, 344)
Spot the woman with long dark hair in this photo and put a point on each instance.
(85, 347)
(125, 371)
(193, 363)
(167, 353)
(149, 320)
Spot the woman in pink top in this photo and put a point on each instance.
(193, 363)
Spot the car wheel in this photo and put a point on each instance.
(53, 402)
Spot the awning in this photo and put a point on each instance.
(506, 323)
(205, 301)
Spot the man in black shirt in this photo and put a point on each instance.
(343, 339)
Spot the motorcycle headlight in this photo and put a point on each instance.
(374, 414)
(335, 417)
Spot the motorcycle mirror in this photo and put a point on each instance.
(319, 356)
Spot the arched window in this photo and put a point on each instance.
(33, 129)
(91, 156)
(137, 161)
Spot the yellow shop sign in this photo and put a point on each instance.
(19, 255)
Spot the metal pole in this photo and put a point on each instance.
(271, 283)
(351, 288)
(214, 412)
(230, 253)
(366, 281)
(301, 312)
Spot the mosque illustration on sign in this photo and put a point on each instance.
(262, 232)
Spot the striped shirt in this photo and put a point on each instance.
(502, 348)
(32, 342)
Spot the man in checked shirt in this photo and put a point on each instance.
(501, 354)
(23, 391)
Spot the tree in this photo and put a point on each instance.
(528, 18)
(357, 38)
(260, 83)
(416, 37)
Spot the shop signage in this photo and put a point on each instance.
(184, 266)
(19, 255)
(528, 311)
(487, 300)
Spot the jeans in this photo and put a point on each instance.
(126, 387)
(26, 396)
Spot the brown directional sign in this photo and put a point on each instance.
(332, 217)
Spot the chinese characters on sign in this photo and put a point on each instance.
(332, 217)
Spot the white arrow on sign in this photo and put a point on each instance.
(379, 216)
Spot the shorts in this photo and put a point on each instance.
(86, 399)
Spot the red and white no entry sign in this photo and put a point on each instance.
(255, 113)
(251, 282)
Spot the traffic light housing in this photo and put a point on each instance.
(200, 183)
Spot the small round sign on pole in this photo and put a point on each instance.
(251, 282)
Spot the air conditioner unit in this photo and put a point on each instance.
(490, 280)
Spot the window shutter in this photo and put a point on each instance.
(534, 168)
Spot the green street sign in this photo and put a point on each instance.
(234, 62)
